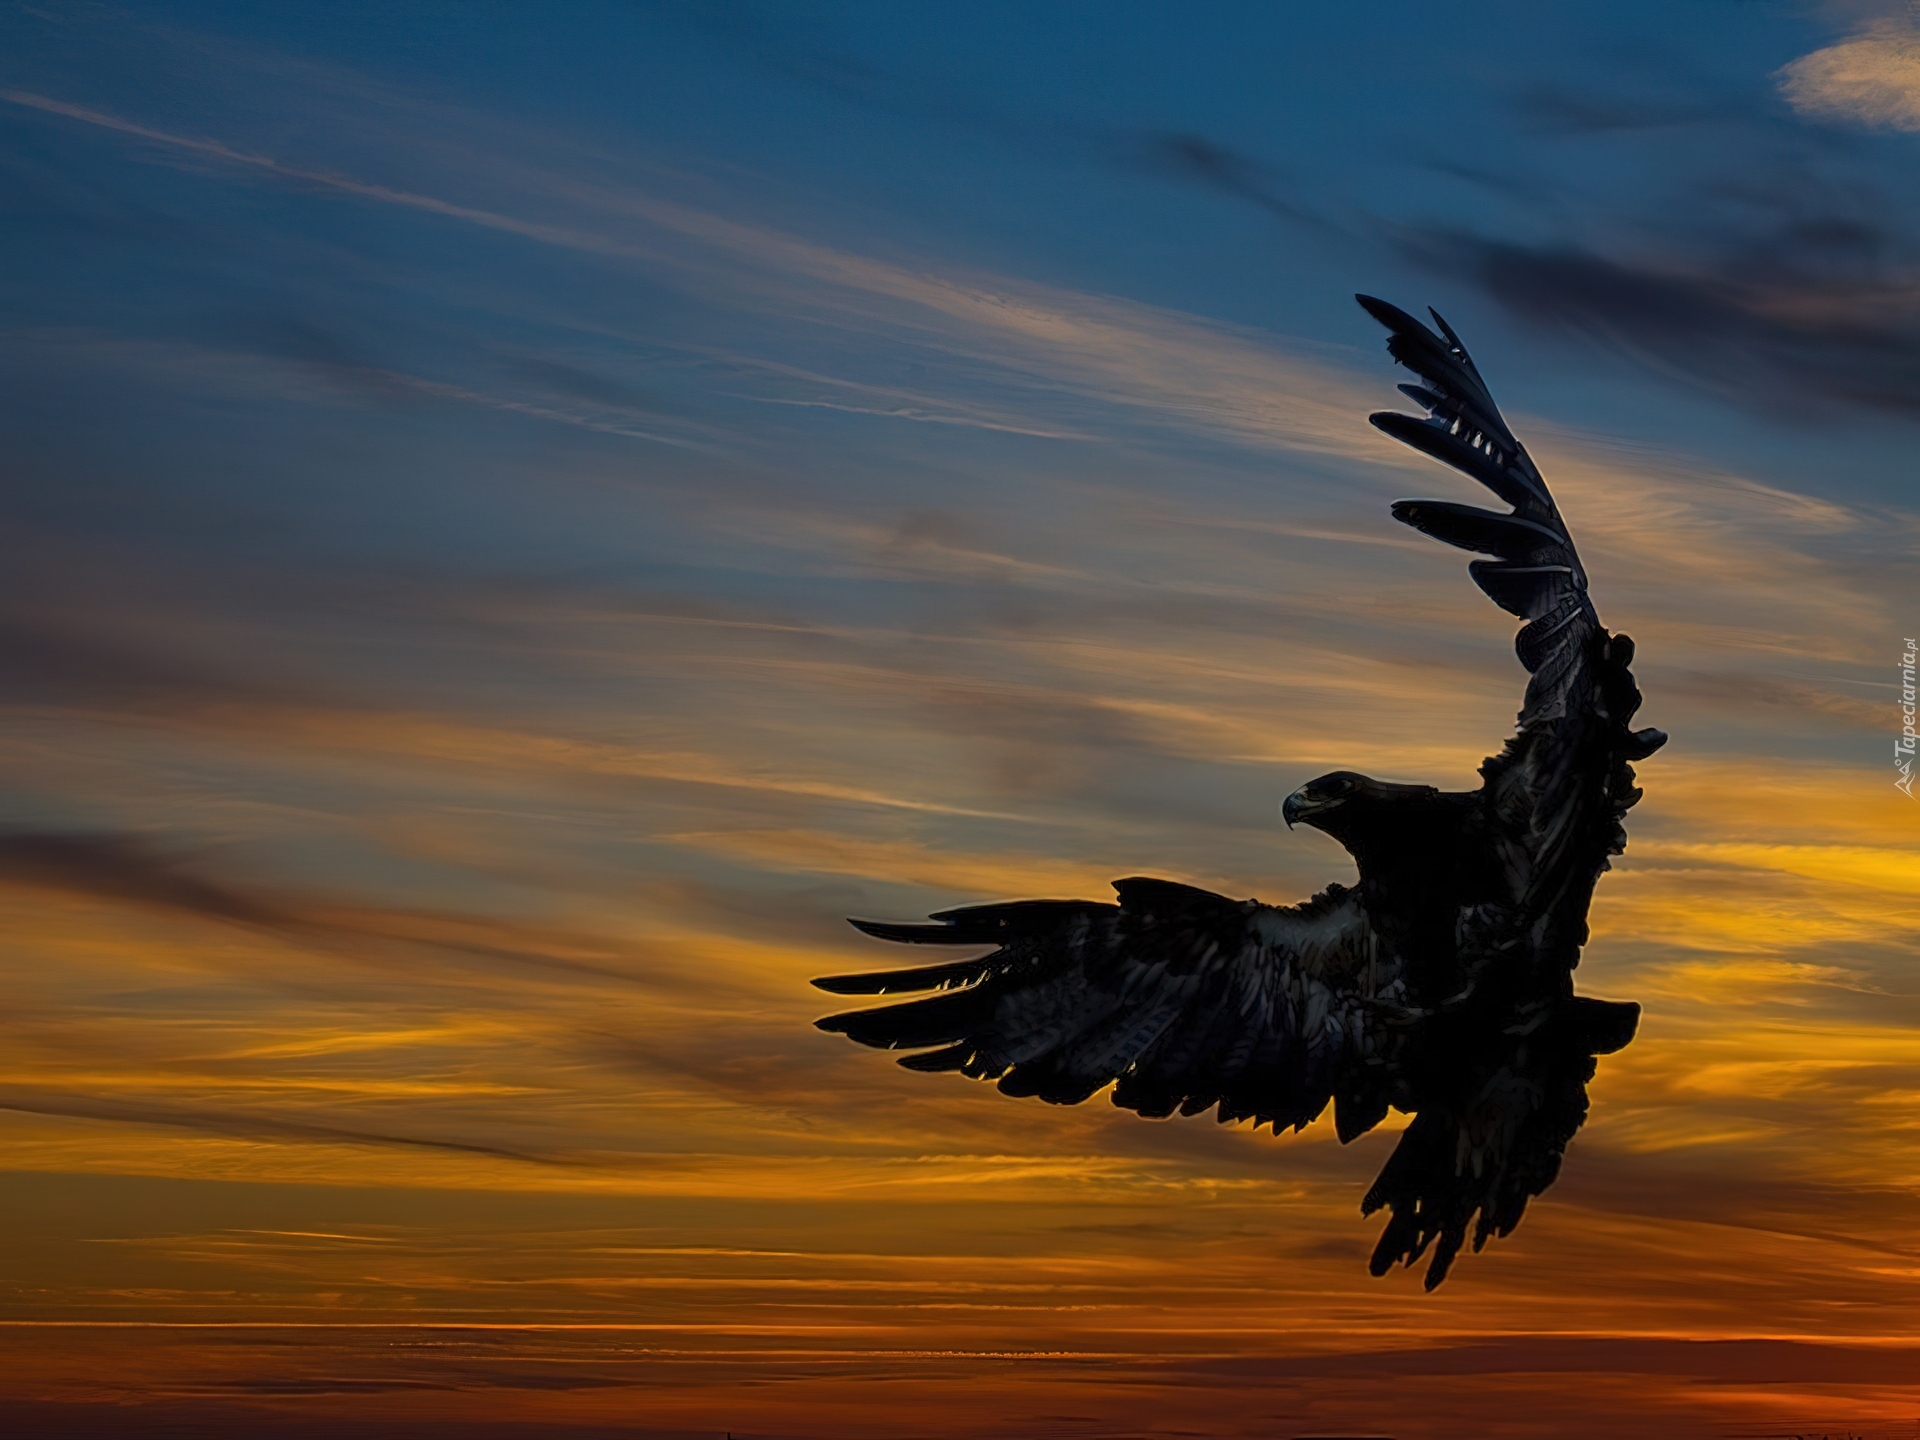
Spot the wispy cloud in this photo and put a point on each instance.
(345, 184)
(1871, 78)
(1171, 367)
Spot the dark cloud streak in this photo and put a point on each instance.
(124, 867)
(1551, 110)
(1197, 160)
(1768, 263)
(1806, 320)
(131, 869)
(742, 31)
(236, 1125)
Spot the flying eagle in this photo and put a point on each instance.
(1440, 986)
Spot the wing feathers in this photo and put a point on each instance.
(1442, 363)
(887, 982)
(973, 924)
(1528, 591)
(1148, 896)
(941, 1020)
(953, 1057)
(1466, 449)
(1488, 531)
(1182, 998)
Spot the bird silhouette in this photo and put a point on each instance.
(1440, 986)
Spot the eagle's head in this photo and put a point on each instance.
(1350, 806)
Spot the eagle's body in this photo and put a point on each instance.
(1440, 986)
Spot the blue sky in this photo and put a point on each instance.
(525, 517)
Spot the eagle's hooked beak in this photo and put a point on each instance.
(1316, 797)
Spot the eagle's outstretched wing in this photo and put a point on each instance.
(1552, 804)
(1186, 999)
(1557, 794)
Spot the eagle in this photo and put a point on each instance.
(1439, 986)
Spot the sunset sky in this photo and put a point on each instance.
(521, 518)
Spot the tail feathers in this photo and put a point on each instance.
(1433, 1194)
(1475, 1165)
(1428, 1199)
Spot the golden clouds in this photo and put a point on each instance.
(454, 911)
(1873, 78)
(1810, 878)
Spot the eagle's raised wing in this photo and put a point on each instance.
(1182, 999)
(1553, 802)
(1557, 794)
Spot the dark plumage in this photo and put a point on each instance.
(1441, 985)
